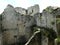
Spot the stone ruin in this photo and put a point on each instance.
(17, 26)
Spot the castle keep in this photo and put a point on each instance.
(17, 25)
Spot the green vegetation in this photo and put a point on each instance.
(47, 32)
(58, 20)
(49, 9)
(58, 39)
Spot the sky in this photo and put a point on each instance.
(27, 3)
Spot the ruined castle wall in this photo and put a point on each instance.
(49, 19)
(9, 19)
(37, 19)
(13, 22)
(43, 20)
(17, 23)
(24, 25)
(1, 30)
(9, 24)
(33, 10)
(9, 36)
(20, 10)
(1, 43)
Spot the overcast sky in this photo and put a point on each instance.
(27, 3)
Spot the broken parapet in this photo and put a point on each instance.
(30, 11)
(33, 10)
(20, 10)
